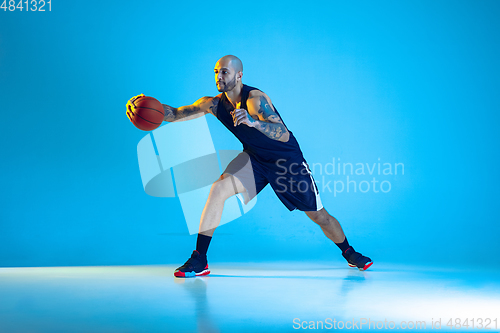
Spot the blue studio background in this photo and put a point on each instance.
(411, 82)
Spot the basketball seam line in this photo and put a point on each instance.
(145, 107)
(147, 120)
(145, 98)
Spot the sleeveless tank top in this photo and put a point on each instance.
(264, 149)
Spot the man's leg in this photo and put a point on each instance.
(329, 224)
(332, 229)
(225, 187)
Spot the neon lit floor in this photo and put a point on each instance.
(244, 297)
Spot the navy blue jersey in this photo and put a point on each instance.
(264, 149)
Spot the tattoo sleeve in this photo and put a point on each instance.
(271, 126)
(169, 113)
(213, 107)
(201, 106)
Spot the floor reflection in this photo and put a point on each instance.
(196, 288)
(240, 297)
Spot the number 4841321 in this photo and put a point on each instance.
(26, 5)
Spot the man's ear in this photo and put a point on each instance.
(239, 75)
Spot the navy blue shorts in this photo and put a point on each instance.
(293, 183)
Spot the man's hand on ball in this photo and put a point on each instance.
(241, 116)
(132, 100)
(135, 97)
(130, 105)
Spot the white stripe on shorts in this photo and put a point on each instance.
(319, 205)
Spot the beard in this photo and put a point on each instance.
(223, 87)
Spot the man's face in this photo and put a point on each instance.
(225, 77)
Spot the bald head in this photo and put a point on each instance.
(232, 61)
(228, 72)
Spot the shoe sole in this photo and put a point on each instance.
(363, 268)
(191, 274)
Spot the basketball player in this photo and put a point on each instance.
(271, 155)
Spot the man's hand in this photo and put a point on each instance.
(135, 97)
(241, 116)
(130, 105)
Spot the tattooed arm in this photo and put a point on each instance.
(199, 108)
(262, 116)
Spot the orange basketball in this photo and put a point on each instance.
(145, 112)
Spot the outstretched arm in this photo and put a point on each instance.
(199, 108)
(262, 116)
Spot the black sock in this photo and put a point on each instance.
(202, 244)
(344, 245)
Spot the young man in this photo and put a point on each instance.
(271, 155)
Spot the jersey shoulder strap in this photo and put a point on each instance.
(245, 92)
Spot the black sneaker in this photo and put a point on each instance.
(356, 259)
(195, 266)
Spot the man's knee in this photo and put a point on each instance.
(223, 188)
(320, 217)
